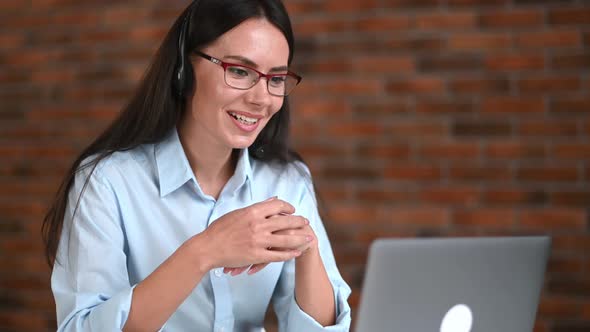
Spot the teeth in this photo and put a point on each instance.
(244, 119)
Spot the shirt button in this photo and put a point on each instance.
(219, 273)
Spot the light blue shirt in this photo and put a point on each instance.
(139, 207)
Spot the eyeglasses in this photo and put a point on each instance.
(243, 77)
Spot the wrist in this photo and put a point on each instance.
(310, 255)
(198, 248)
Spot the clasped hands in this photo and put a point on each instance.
(252, 237)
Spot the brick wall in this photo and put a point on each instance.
(418, 118)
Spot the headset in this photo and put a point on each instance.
(183, 70)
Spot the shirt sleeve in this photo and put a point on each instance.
(290, 316)
(89, 281)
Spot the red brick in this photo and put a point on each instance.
(514, 18)
(383, 64)
(407, 129)
(571, 61)
(511, 150)
(570, 243)
(298, 8)
(571, 105)
(399, 4)
(570, 198)
(117, 16)
(481, 128)
(464, 196)
(412, 172)
(354, 128)
(350, 172)
(353, 214)
(32, 321)
(480, 41)
(351, 87)
(558, 307)
(413, 44)
(414, 216)
(477, 2)
(514, 62)
(472, 86)
(562, 265)
(322, 151)
(318, 108)
(480, 173)
(575, 151)
(443, 107)
(11, 41)
(386, 195)
(419, 85)
(569, 16)
(548, 173)
(585, 309)
(442, 21)
(513, 105)
(379, 108)
(543, 128)
(549, 39)
(569, 325)
(390, 151)
(513, 196)
(554, 219)
(348, 5)
(497, 218)
(449, 150)
(313, 26)
(325, 66)
(453, 63)
(569, 285)
(384, 23)
(549, 84)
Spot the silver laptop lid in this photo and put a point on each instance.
(453, 284)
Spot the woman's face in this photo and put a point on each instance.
(216, 108)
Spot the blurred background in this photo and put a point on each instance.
(416, 117)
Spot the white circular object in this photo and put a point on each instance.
(458, 319)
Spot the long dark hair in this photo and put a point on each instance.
(156, 108)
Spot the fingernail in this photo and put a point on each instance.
(252, 271)
(306, 222)
(270, 198)
(308, 238)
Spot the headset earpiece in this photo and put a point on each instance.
(178, 81)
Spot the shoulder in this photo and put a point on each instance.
(291, 181)
(116, 165)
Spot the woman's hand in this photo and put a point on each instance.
(246, 236)
(304, 230)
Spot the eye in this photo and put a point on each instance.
(238, 72)
(278, 80)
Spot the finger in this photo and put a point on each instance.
(278, 223)
(281, 255)
(289, 241)
(273, 207)
(238, 270)
(256, 268)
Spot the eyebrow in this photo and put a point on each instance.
(251, 63)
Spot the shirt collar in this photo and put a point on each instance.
(174, 169)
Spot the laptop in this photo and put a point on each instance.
(477, 284)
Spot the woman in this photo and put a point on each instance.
(190, 212)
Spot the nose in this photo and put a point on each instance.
(258, 94)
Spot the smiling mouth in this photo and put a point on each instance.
(243, 119)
